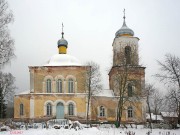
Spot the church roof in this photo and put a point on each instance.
(154, 117)
(169, 114)
(62, 42)
(63, 60)
(124, 30)
(104, 93)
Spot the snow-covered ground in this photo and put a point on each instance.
(92, 131)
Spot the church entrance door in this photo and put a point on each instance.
(60, 111)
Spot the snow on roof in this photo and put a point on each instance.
(63, 60)
(105, 93)
(24, 92)
(169, 114)
(153, 116)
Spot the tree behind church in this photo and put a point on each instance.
(7, 88)
(148, 92)
(92, 83)
(6, 54)
(6, 42)
(170, 74)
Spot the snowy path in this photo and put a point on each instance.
(90, 131)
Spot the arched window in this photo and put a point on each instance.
(48, 86)
(21, 109)
(70, 86)
(130, 90)
(59, 86)
(130, 112)
(49, 109)
(128, 54)
(101, 111)
(71, 109)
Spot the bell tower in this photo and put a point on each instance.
(125, 46)
(126, 61)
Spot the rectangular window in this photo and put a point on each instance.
(49, 109)
(48, 86)
(130, 113)
(102, 111)
(21, 109)
(59, 86)
(71, 109)
(71, 86)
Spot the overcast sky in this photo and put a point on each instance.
(90, 27)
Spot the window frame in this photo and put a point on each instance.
(48, 85)
(70, 85)
(71, 109)
(59, 86)
(102, 111)
(130, 112)
(49, 109)
(21, 111)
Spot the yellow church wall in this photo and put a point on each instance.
(41, 72)
(107, 103)
(135, 75)
(41, 100)
(39, 104)
(111, 107)
(24, 99)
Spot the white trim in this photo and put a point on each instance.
(32, 81)
(75, 89)
(59, 100)
(70, 101)
(59, 77)
(32, 107)
(53, 89)
(48, 77)
(70, 76)
(64, 86)
(44, 89)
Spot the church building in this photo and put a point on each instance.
(58, 90)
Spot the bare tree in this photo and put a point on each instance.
(124, 70)
(6, 42)
(7, 88)
(157, 102)
(6, 54)
(93, 83)
(149, 90)
(172, 99)
(170, 75)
